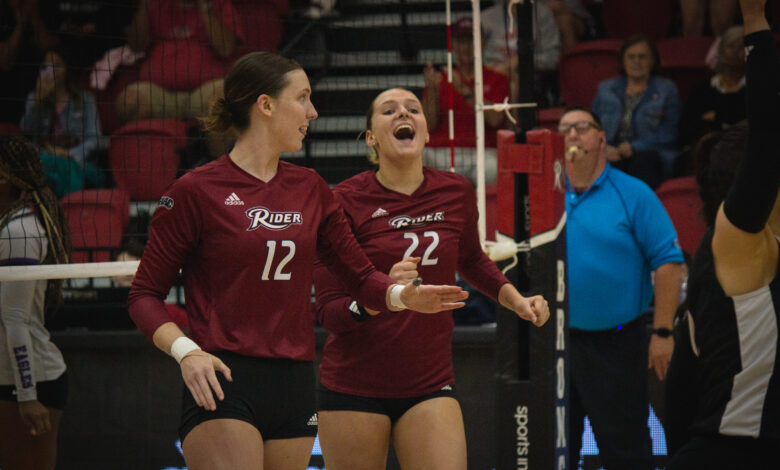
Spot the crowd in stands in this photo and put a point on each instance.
(669, 80)
(94, 72)
(98, 87)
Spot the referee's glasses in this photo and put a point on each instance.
(580, 126)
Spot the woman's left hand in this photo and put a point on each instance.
(533, 309)
(35, 416)
(433, 299)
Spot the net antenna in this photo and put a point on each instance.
(450, 93)
(480, 107)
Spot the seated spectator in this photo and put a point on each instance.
(722, 14)
(23, 39)
(190, 45)
(718, 103)
(61, 119)
(500, 51)
(573, 20)
(436, 94)
(640, 113)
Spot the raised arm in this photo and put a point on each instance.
(743, 243)
(139, 31)
(430, 100)
(223, 40)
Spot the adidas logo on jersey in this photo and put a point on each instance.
(233, 200)
(446, 388)
(379, 213)
(313, 420)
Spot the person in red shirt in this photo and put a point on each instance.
(190, 45)
(436, 94)
(390, 375)
(245, 230)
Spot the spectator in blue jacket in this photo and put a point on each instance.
(640, 112)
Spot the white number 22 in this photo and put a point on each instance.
(426, 259)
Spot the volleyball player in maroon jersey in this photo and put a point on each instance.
(389, 375)
(245, 230)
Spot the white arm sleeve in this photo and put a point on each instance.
(16, 300)
(16, 303)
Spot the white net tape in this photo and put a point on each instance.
(68, 271)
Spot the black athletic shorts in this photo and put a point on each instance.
(51, 393)
(274, 395)
(394, 408)
(725, 453)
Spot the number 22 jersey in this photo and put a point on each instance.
(403, 354)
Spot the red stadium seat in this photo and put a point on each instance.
(623, 18)
(682, 60)
(97, 219)
(145, 158)
(9, 128)
(262, 24)
(548, 118)
(680, 197)
(584, 66)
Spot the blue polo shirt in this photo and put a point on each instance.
(617, 233)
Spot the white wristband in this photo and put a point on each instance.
(395, 296)
(181, 346)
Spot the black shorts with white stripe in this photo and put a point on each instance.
(274, 395)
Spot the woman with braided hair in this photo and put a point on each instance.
(33, 382)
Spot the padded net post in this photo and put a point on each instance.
(532, 373)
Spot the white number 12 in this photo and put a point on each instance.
(278, 274)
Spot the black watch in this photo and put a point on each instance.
(662, 332)
(359, 314)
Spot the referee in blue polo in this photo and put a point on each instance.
(618, 234)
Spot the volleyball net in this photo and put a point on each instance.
(112, 102)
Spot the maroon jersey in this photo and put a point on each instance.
(404, 354)
(247, 249)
